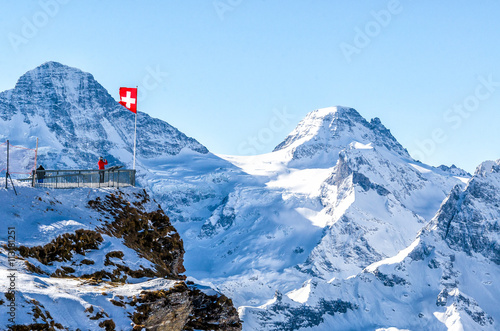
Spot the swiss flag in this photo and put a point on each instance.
(128, 98)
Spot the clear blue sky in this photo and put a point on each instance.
(227, 66)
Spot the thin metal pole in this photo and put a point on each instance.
(36, 155)
(7, 173)
(135, 127)
(36, 152)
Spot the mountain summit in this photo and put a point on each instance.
(78, 120)
(323, 133)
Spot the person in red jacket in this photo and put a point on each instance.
(102, 162)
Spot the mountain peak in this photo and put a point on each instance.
(487, 167)
(54, 64)
(338, 111)
(54, 71)
(454, 170)
(63, 80)
(326, 131)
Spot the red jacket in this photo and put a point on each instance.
(102, 163)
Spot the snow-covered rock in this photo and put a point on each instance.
(323, 133)
(98, 259)
(447, 279)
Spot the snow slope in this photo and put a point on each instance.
(447, 279)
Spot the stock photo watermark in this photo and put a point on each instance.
(455, 116)
(372, 29)
(11, 276)
(31, 26)
(256, 143)
(224, 6)
(153, 79)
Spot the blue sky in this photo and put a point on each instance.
(238, 75)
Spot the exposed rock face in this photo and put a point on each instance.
(150, 233)
(184, 308)
(469, 220)
(285, 315)
(455, 170)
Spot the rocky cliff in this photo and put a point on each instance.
(102, 260)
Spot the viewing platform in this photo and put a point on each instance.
(112, 177)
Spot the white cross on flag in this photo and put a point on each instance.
(128, 98)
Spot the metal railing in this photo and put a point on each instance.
(82, 178)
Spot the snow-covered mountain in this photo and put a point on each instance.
(77, 121)
(327, 214)
(337, 195)
(447, 279)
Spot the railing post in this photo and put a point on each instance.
(7, 172)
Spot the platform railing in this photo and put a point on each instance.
(82, 178)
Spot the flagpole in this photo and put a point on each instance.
(135, 128)
(34, 170)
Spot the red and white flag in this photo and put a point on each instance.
(128, 98)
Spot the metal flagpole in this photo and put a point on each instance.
(135, 128)
(34, 171)
(36, 151)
